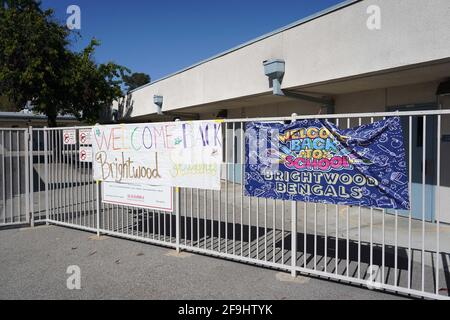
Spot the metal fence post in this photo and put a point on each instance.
(177, 214)
(98, 207)
(177, 218)
(31, 175)
(46, 175)
(29, 185)
(27, 178)
(294, 229)
(294, 238)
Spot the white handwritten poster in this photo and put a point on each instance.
(177, 154)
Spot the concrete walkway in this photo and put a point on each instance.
(34, 264)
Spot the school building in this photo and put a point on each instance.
(360, 56)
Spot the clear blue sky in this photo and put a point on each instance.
(161, 37)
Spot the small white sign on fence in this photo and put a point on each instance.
(85, 154)
(84, 136)
(140, 196)
(69, 137)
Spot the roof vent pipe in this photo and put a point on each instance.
(158, 101)
(274, 69)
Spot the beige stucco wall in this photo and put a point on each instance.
(378, 100)
(358, 102)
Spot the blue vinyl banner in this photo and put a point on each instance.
(315, 161)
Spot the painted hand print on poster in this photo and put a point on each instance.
(315, 161)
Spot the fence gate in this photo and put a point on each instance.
(14, 173)
(44, 180)
(64, 192)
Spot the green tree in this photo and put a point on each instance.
(136, 80)
(91, 87)
(36, 65)
(21, 4)
(6, 104)
(32, 55)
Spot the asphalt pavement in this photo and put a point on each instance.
(34, 264)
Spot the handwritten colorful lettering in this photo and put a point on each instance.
(184, 154)
(315, 161)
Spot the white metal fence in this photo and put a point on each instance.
(401, 251)
(14, 170)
